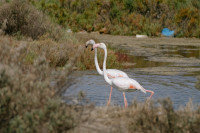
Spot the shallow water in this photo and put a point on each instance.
(168, 66)
(138, 61)
(179, 88)
(183, 51)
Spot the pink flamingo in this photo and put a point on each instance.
(121, 83)
(111, 73)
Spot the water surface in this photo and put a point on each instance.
(179, 88)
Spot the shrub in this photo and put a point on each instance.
(187, 19)
(148, 118)
(23, 18)
(28, 101)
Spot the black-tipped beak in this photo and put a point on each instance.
(91, 49)
(86, 46)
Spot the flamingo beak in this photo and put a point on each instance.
(86, 46)
(94, 46)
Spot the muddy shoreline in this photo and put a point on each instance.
(180, 55)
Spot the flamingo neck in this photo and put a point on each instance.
(104, 68)
(97, 64)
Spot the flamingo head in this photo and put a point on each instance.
(90, 42)
(99, 45)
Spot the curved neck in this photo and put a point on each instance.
(104, 68)
(96, 63)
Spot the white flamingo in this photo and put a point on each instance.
(121, 83)
(111, 73)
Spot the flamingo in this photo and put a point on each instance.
(124, 84)
(111, 73)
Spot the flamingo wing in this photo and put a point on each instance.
(113, 73)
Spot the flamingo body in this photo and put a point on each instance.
(126, 84)
(121, 83)
(111, 73)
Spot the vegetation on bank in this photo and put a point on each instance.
(36, 57)
(142, 117)
(16, 19)
(126, 17)
(163, 118)
(28, 99)
(32, 51)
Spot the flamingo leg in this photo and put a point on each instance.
(151, 93)
(108, 103)
(125, 101)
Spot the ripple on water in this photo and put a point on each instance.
(179, 88)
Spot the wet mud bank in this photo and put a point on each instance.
(163, 56)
